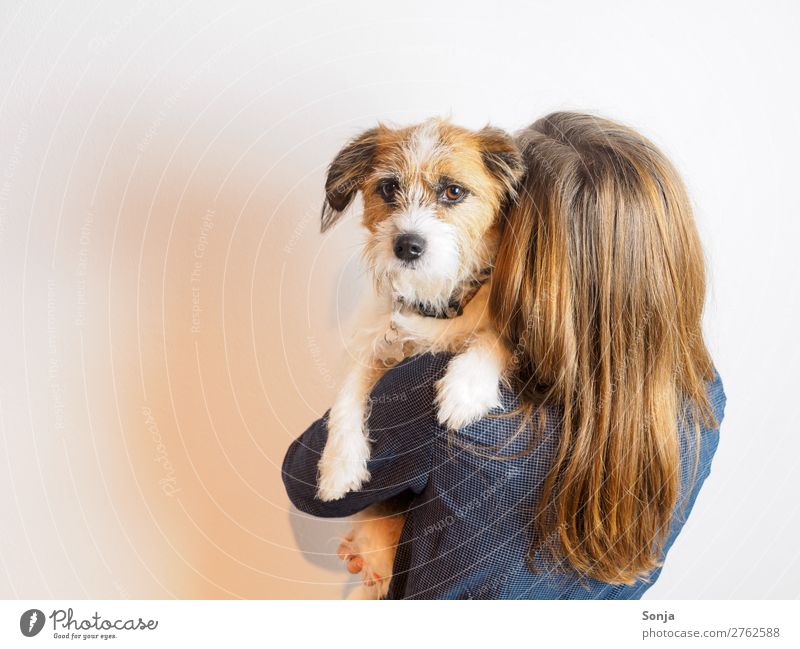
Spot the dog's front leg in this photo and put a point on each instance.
(343, 465)
(470, 387)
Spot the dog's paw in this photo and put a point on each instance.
(343, 465)
(467, 392)
(408, 321)
(374, 569)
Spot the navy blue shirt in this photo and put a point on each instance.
(469, 529)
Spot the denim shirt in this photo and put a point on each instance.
(469, 528)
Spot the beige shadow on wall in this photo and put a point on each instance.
(222, 312)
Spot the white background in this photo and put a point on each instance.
(122, 124)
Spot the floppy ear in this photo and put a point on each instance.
(346, 175)
(502, 158)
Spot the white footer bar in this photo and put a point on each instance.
(326, 624)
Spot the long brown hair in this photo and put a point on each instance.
(598, 292)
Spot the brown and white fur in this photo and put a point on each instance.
(433, 194)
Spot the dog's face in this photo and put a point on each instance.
(432, 197)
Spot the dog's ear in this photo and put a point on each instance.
(502, 158)
(346, 175)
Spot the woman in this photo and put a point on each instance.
(613, 406)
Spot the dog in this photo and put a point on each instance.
(433, 194)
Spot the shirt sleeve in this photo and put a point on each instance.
(402, 427)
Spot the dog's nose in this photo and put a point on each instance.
(409, 247)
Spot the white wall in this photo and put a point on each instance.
(138, 139)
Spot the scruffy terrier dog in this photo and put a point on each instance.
(433, 194)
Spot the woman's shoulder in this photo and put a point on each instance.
(423, 370)
(411, 387)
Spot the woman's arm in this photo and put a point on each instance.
(401, 426)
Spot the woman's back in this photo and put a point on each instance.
(469, 529)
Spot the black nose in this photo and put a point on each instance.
(409, 247)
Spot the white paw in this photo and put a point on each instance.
(343, 465)
(408, 321)
(469, 390)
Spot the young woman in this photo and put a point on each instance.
(612, 408)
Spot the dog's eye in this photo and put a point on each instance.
(387, 189)
(453, 194)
